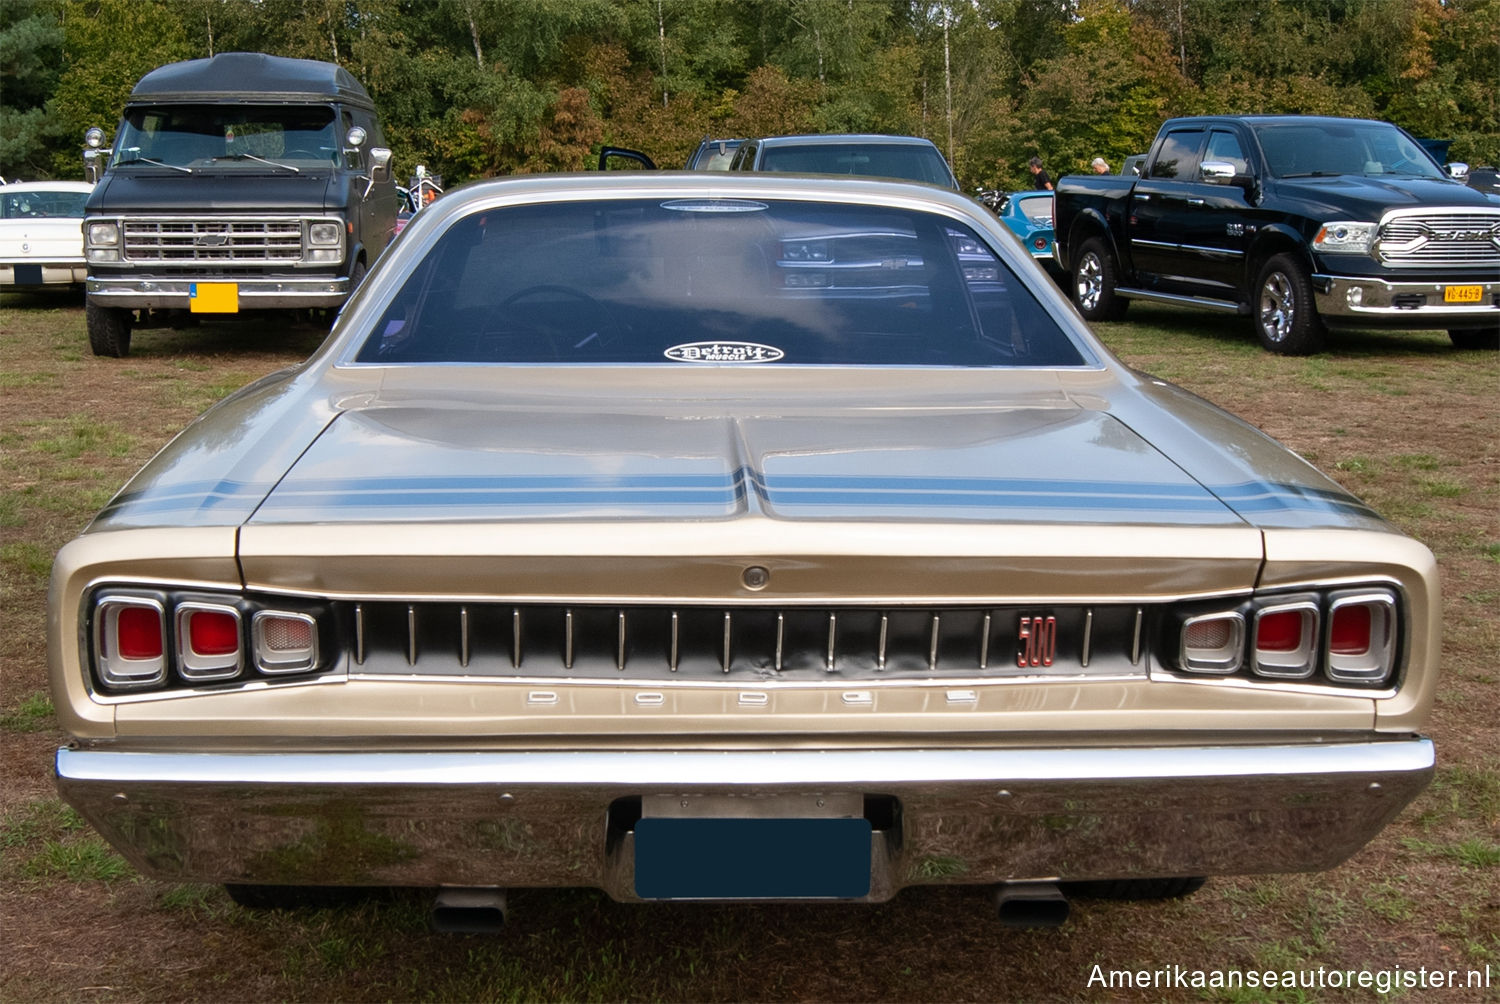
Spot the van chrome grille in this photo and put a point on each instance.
(737, 644)
(1437, 239)
(223, 241)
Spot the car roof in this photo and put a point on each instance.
(250, 76)
(836, 139)
(47, 186)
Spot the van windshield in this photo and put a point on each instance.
(229, 136)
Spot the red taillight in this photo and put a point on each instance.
(211, 632)
(138, 633)
(130, 640)
(1350, 633)
(1362, 636)
(1279, 632)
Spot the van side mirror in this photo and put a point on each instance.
(380, 168)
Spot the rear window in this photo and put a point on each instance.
(40, 204)
(906, 162)
(694, 281)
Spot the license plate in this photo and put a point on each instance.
(717, 858)
(1463, 294)
(214, 297)
(28, 275)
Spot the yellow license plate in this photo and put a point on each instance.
(1463, 294)
(214, 298)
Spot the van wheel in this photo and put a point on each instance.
(1284, 316)
(1475, 338)
(109, 330)
(1094, 283)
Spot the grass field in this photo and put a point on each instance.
(1404, 421)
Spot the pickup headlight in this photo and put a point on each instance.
(1345, 238)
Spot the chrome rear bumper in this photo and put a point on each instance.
(565, 818)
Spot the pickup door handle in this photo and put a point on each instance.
(1195, 202)
(1143, 198)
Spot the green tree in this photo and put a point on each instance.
(31, 43)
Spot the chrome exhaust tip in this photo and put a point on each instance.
(469, 911)
(1031, 904)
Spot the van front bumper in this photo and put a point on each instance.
(136, 292)
(553, 818)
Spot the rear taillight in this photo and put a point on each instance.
(209, 643)
(147, 639)
(1342, 636)
(1285, 642)
(285, 642)
(1213, 643)
(130, 641)
(1361, 636)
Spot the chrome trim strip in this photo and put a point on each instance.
(1135, 644)
(463, 632)
(1088, 637)
(1188, 301)
(735, 769)
(411, 634)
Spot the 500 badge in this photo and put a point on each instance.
(1036, 641)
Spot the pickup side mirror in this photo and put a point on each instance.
(1457, 170)
(1217, 172)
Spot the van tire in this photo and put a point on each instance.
(109, 329)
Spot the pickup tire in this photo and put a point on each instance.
(109, 330)
(1093, 282)
(1284, 316)
(1475, 338)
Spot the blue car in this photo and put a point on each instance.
(1029, 216)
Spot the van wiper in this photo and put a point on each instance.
(158, 163)
(258, 160)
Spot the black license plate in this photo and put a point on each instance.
(721, 858)
(28, 275)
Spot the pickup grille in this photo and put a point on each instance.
(742, 644)
(223, 241)
(1441, 239)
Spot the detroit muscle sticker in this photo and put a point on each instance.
(724, 352)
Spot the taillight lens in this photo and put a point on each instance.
(1286, 639)
(1361, 636)
(209, 645)
(130, 639)
(1213, 643)
(285, 642)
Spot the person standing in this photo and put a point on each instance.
(1040, 180)
(1100, 165)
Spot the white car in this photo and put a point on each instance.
(41, 234)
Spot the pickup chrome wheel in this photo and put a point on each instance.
(109, 329)
(1094, 283)
(1284, 316)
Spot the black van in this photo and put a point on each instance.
(240, 182)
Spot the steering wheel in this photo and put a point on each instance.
(593, 331)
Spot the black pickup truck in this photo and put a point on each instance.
(1298, 222)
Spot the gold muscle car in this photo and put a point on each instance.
(754, 537)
